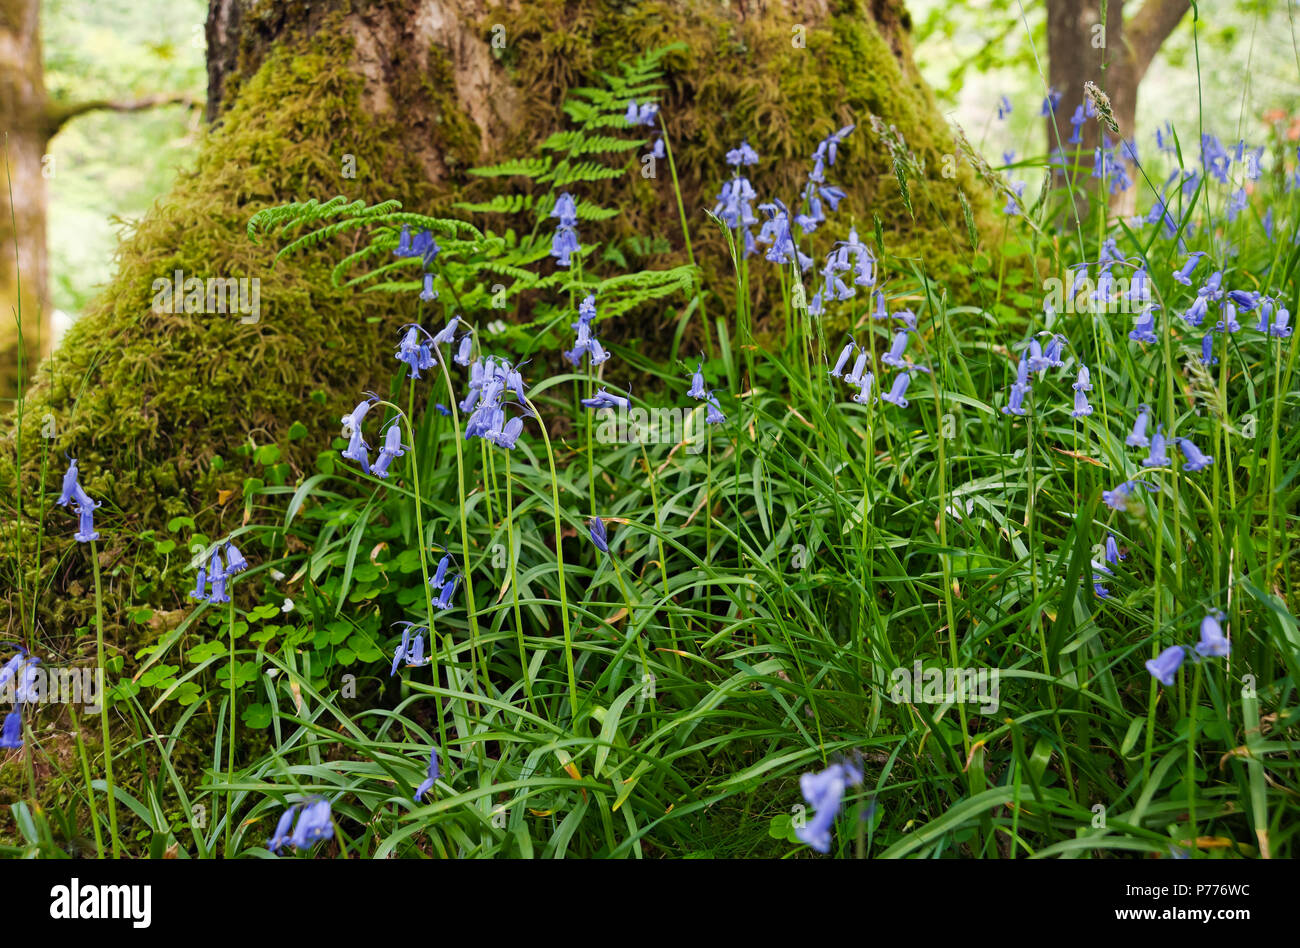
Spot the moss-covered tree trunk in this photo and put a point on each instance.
(396, 99)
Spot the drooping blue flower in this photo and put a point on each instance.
(713, 411)
(403, 647)
(1004, 107)
(1207, 350)
(596, 528)
(85, 516)
(1157, 456)
(1280, 321)
(894, 356)
(314, 824)
(644, 114)
(1113, 555)
(1184, 273)
(1081, 406)
(444, 595)
(508, 434)
(741, 155)
(428, 294)
(1076, 123)
(200, 592)
(836, 372)
(824, 792)
(432, 777)
(864, 395)
(440, 575)
(282, 836)
(1229, 322)
(898, 389)
(1015, 405)
(1213, 642)
(1120, 497)
(1052, 100)
(1083, 381)
(1138, 437)
(392, 449)
(217, 575)
(69, 484)
(603, 399)
(1164, 666)
(235, 562)
(859, 366)
(1145, 328)
(1196, 461)
(11, 736)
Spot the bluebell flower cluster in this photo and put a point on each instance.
(211, 582)
(713, 411)
(490, 382)
(411, 650)
(587, 344)
(817, 191)
(735, 200)
(849, 256)
(646, 114)
(564, 244)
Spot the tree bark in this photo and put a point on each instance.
(24, 269)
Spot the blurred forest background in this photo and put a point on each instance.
(109, 167)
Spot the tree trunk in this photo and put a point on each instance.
(1116, 59)
(23, 263)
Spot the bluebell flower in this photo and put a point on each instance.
(282, 836)
(444, 595)
(465, 352)
(713, 411)
(1138, 437)
(859, 366)
(1184, 273)
(403, 647)
(200, 592)
(1280, 327)
(392, 449)
(741, 155)
(85, 517)
(824, 792)
(1050, 103)
(897, 390)
(1081, 406)
(428, 294)
(842, 361)
(1037, 361)
(432, 777)
(1145, 328)
(603, 399)
(1213, 642)
(1052, 352)
(894, 356)
(440, 575)
(865, 385)
(1196, 461)
(641, 115)
(1212, 291)
(776, 232)
(352, 421)
(235, 562)
(657, 149)
(1022, 372)
(1119, 498)
(1164, 666)
(1157, 456)
(1207, 350)
(69, 484)
(1265, 315)
(506, 436)
(1076, 122)
(1229, 322)
(217, 576)
(1004, 107)
(1015, 405)
(1084, 380)
(1245, 300)
(314, 824)
(1113, 554)
(357, 450)
(596, 528)
(11, 736)
(447, 334)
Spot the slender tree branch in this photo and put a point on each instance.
(1150, 27)
(56, 116)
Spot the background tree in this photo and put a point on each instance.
(30, 117)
